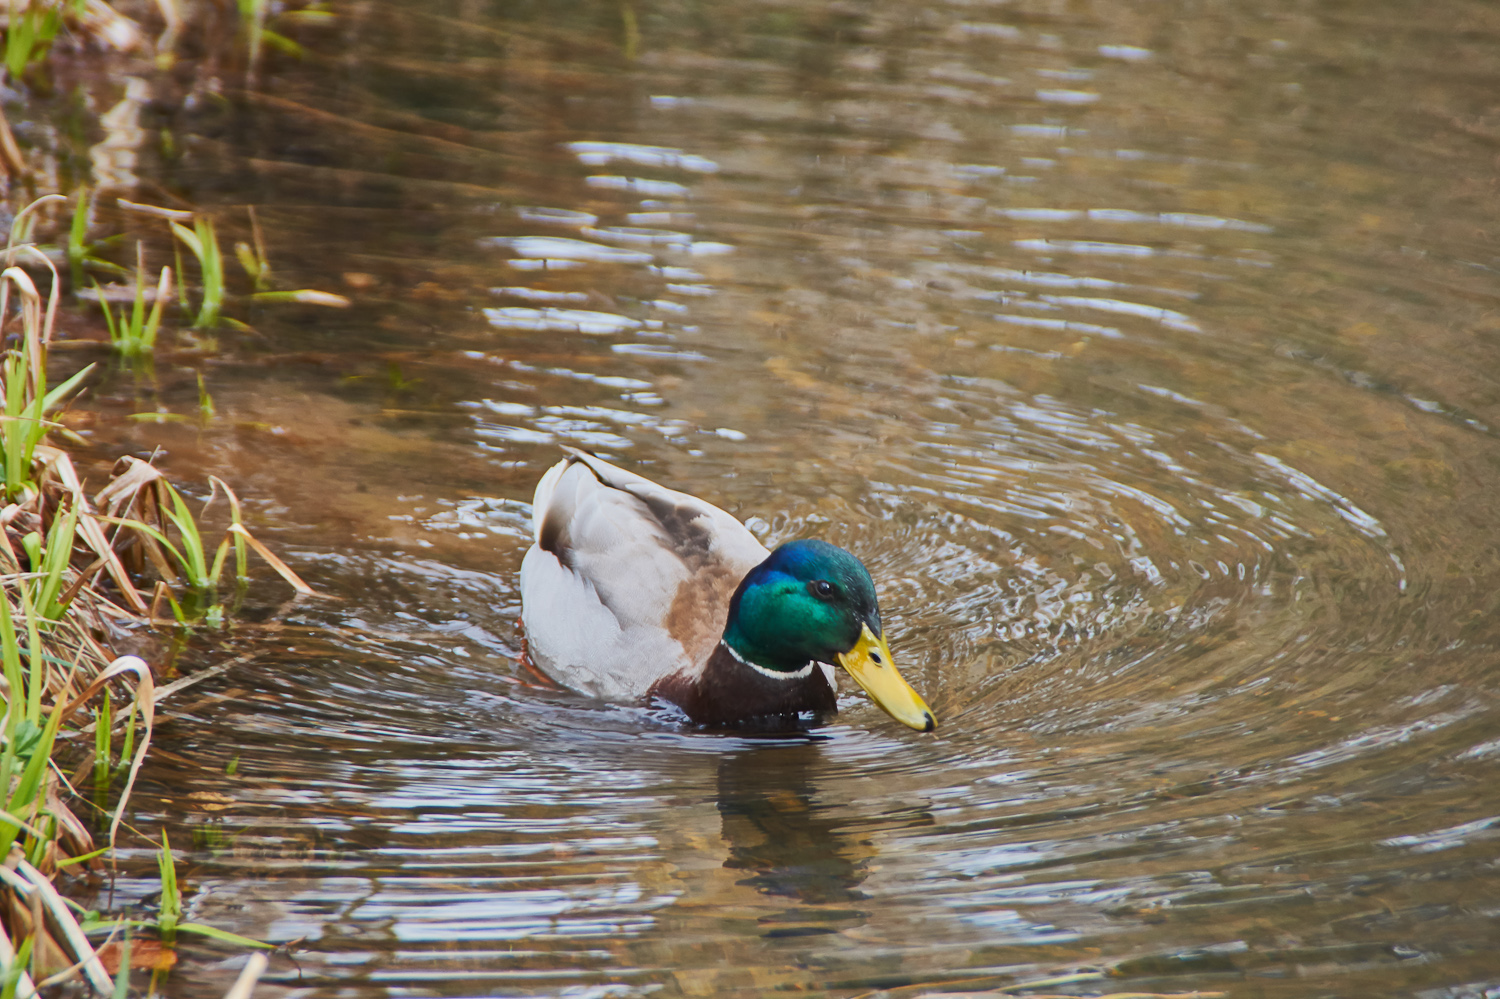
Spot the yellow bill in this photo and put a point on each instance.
(870, 663)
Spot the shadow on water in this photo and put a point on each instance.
(1145, 354)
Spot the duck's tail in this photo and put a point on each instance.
(543, 498)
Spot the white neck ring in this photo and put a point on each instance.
(774, 674)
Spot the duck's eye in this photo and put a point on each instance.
(821, 588)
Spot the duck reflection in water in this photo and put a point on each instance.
(777, 832)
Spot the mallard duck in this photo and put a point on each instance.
(634, 592)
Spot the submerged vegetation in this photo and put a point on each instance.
(81, 572)
(134, 333)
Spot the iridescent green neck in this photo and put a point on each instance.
(806, 602)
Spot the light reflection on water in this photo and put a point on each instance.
(1136, 354)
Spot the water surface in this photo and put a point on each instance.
(1147, 356)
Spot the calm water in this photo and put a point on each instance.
(1148, 355)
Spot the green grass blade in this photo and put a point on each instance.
(163, 291)
(214, 933)
(77, 233)
(15, 696)
(127, 747)
(171, 897)
(219, 555)
(122, 976)
(82, 858)
(241, 558)
(109, 316)
(280, 41)
(206, 411)
(213, 274)
(138, 306)
(17, 453)
(54, 398)
(94, 926)
(33, 426)
(249, 263)
(18, 41)
(136, 525)
(241, 544)
(13, 973)
(58, 557)
(182, 291)
(253, 13)
(103, 726)
(38, 662)
(192, 541)
(189, 239)
(29, 787)
(51, 21)
(10, 652)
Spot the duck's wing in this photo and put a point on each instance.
(627, 581)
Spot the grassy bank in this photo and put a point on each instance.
(86, 576)
(70, 565)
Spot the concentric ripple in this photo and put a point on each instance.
(1146, 359)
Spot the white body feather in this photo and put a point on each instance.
(637, 584)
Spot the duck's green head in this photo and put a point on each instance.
(814, 602)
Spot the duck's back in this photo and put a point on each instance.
(627, 581)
